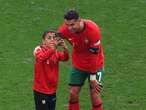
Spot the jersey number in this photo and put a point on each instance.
(99, 74)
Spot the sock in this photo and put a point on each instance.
(99, 107)
(97, 104)
(74, 106)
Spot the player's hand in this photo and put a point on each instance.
(96, 86)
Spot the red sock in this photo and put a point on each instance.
(74, 106)
(97, 107)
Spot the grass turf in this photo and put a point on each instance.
(123, 28)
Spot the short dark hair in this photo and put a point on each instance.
(71, 14)
(50, 31)
(46, 32)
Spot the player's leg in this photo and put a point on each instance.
(51, 100)
(40, 101)
(76, 81)
(74, 97)
(95, 98)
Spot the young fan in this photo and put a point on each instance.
(46, 68)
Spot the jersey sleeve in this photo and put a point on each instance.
(42, 54)
(63, 55)
(95, 40)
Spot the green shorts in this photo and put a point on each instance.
(77, 77)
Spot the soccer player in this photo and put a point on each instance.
(47, 59)
(87, 58)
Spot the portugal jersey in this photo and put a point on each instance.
(46, 69)
(83, 44)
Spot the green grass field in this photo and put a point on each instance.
(123, 25)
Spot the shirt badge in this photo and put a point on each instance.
(44, 101)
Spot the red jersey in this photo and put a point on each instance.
(46, 69)
(90, 37)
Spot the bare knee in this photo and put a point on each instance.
(74, 94)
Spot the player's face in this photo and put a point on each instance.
(49, 37)
(73, 25)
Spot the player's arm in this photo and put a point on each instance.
(42, 55)
(95, 45)
(95, 40)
